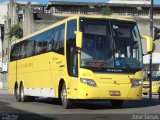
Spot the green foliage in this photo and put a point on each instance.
(107, 11)
(15, 31)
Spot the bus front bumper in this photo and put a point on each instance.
(110, 92)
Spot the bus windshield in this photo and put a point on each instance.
(110, 44)
(156, 78)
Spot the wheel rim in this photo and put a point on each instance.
(22, 93)
(17, 93)
(64, 96)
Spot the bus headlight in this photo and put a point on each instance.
(88, 82)
(136, 83)
(155, 84)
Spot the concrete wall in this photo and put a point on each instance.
(27, 20)
(39, 24)
(3, 13)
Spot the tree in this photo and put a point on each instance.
(15, 31)
(107, 11)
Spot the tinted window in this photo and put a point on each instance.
(22, 53)
(58, 39)
(12, 54)
(29, 48)
(17, 51)
(156, 78)
(50, 40)
(72, 57)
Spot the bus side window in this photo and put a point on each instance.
(56, 44)
(49, 46)
(17, 50)
(36, 47)
(44, 46)
(44, 39)
(39, 44)
(49, 40)
(61, 40)
(22, 50)
(28, 48)
(58, 39)
(12, 55)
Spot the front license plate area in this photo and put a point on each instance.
(146, 90)
(114, 93)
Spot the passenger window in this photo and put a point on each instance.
(12, 54)
(58, 39)
(22, 50)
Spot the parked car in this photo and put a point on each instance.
(155, 85)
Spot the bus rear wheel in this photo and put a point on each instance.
(23, 98)
(117, 103)
(16, 93)
(67, 103)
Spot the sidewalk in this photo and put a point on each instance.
(4, 91)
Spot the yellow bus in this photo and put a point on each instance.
(79, 58)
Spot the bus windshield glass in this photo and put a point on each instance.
(110, 44)
(156, 78)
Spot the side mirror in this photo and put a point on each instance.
(156, 33)
(149, 43)
(78, 39)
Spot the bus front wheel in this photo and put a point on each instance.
(67, 103)
(117, 103)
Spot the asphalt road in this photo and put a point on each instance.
(48, 109)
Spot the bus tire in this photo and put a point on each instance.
(16, 93)
(23, 98)
(117, 103)
(67, 103)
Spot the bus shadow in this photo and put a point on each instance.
(94, 105)
(48, 101)
(145, 102)
(127, 104)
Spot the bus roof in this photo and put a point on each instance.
(69, 18)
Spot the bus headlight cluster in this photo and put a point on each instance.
(155, 84)
(88, 82)
(136, 83)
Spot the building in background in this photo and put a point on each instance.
(3, 13)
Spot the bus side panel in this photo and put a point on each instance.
(11, 76)
(35, 71)
(42, 76)
(59, 70)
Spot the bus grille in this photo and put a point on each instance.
(145, 86)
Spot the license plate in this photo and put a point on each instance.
(146, 89)
(114, 93)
